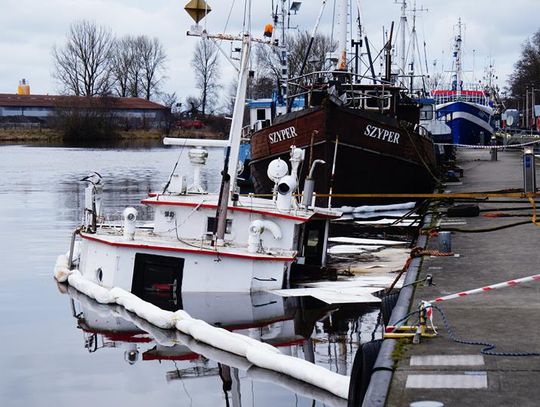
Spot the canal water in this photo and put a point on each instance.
(60, 348)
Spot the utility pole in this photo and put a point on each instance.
(533, 117)
(526, 106)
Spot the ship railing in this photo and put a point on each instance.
(332, 74)
(481, 100)
(376, 96)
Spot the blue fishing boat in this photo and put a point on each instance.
(464, 111)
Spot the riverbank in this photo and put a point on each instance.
(54, 136)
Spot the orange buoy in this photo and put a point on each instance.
(268, 30)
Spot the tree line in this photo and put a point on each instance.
(93, 62)
(526, 75)
(266, 68)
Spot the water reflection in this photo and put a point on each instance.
(40, 196)
(300, 327)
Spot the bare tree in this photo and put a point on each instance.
(526, 72)
(124, 58)
(152, 57)
(137, 65)
(135, 70)
(193, 105)
(205, 62)
(170, 100)
(268, 60)
(82, 65)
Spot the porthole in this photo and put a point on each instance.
(99, 275)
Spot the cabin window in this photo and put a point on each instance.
(314, 242)
(378, 100)
(211, 225)
(426, 113)
(261, 114)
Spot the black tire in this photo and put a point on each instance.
(463, 211)
(361, 371)
(388, 302)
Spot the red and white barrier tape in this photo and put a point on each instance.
(498, 147)
(510, 283)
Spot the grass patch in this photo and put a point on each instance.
(401, 348)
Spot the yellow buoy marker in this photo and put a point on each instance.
(197, 9)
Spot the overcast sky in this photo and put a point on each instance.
(30, 28)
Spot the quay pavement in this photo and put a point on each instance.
(454, 374)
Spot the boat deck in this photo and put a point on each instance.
(246, 203)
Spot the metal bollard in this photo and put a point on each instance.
(493, 149)
(445, 242)
(529, 171)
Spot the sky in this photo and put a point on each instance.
(494, 29)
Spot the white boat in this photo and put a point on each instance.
(202, 242)
(180, 254)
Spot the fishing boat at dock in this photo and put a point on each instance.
(368, 134)
(465, 111)
(365, 151)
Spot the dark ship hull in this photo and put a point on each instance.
(374, 153)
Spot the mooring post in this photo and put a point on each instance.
(529, 171)
(493, 148)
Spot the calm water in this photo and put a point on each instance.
(62, 351)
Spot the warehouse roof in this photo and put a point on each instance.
(14, 100)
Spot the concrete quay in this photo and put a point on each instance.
(454, 374)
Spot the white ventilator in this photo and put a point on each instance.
(256, 229)
(130, 218)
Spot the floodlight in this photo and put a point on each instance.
(295, 6)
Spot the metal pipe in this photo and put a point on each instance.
(333, 173)
(371, 67)
(72, 247)
(309, 184)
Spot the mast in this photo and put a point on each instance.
(415, 48)
(280, 16)
(403, 35)
(457, 58)
(342, 14)
(235, 133)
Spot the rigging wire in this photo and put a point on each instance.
(228, 17)
(174, 168)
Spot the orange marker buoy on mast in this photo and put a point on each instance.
(268, 30)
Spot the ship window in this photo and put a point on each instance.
(261, 114)
(426, 113)
(376, 100)
(314, 242)
(211, 225)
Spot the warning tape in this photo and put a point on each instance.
(497, 147)
(488, 288)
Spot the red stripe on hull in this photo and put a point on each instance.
(183, 250)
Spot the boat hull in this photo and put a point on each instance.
(152, 273)
(374, 155)
(469, 123)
